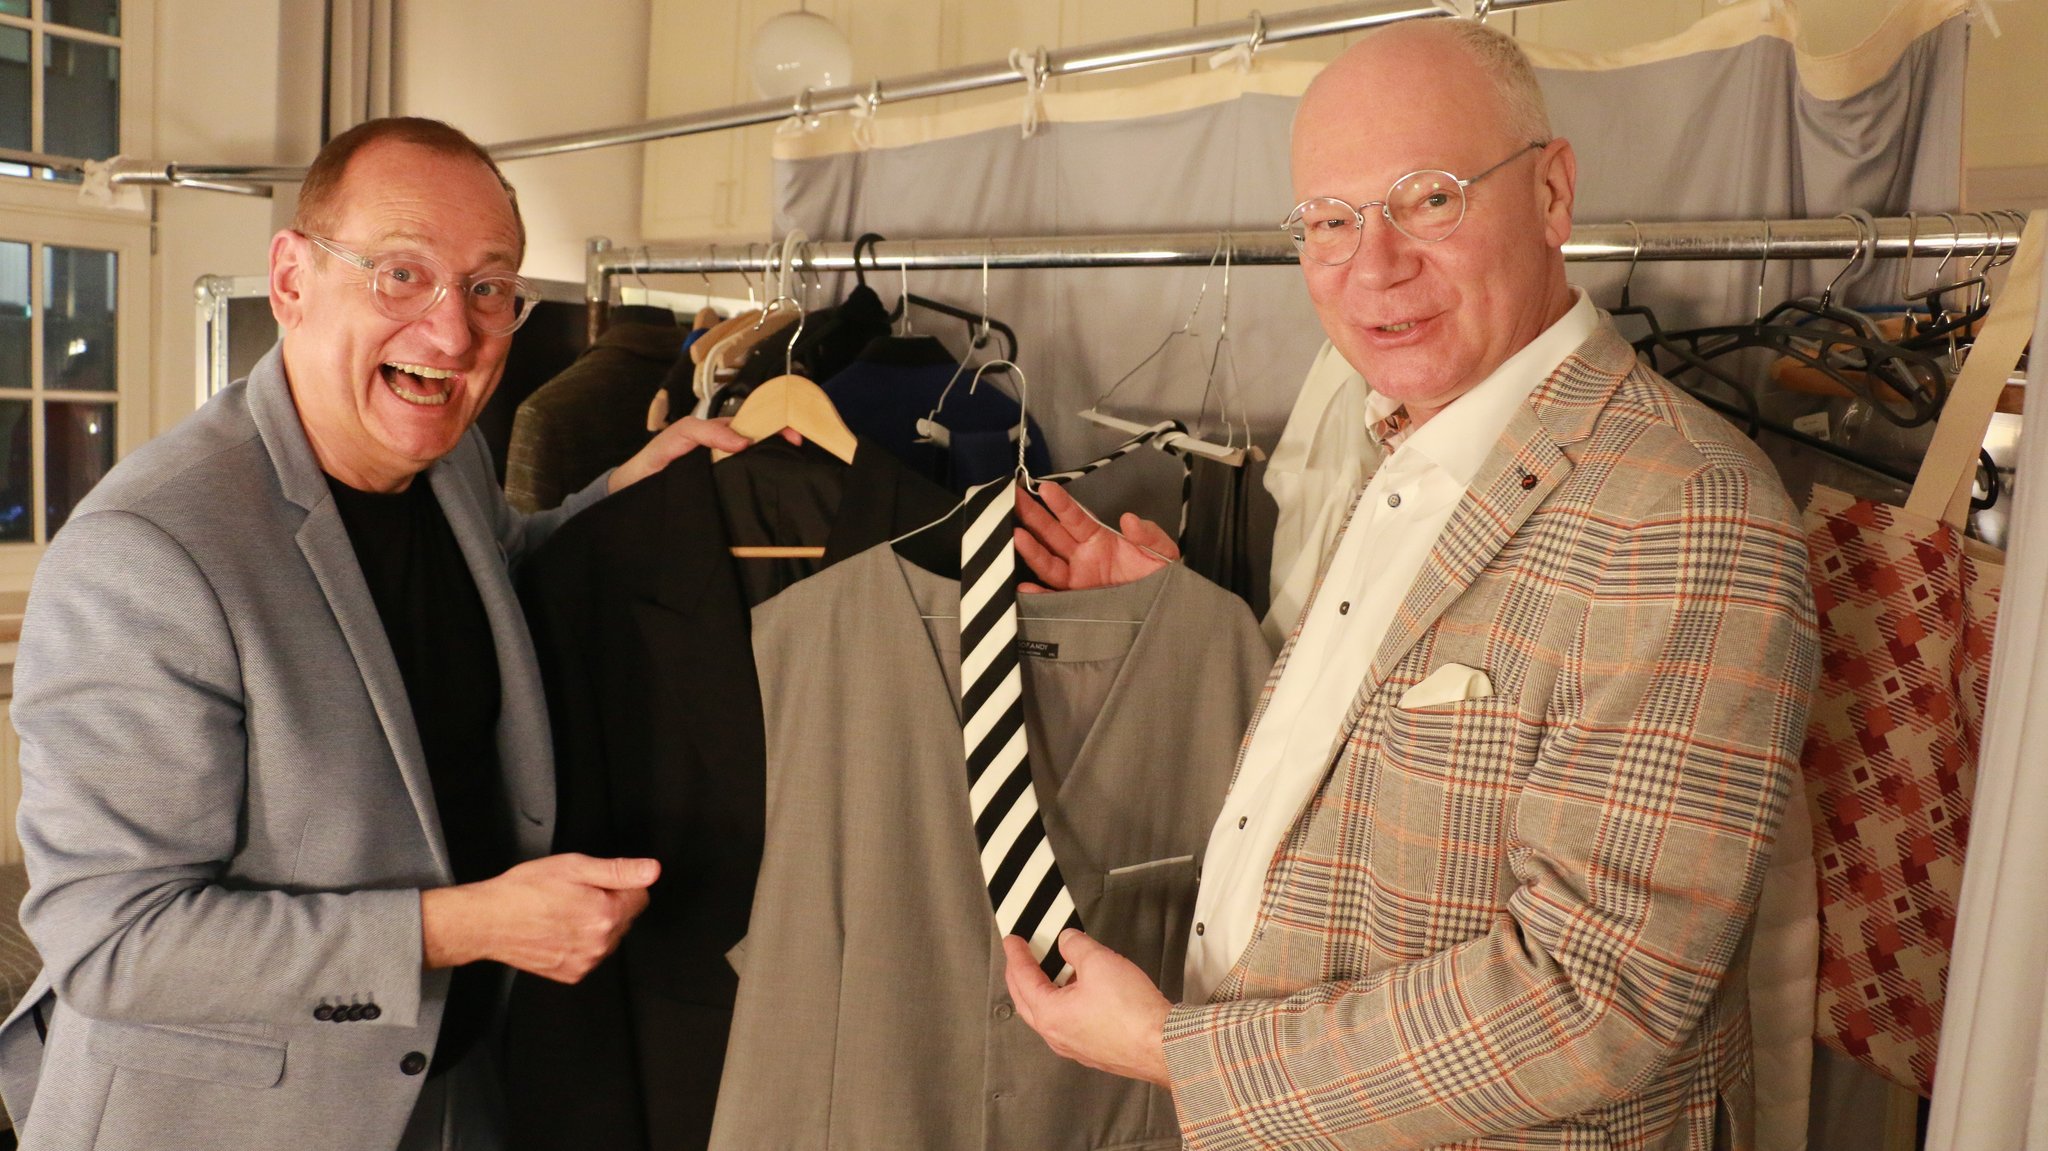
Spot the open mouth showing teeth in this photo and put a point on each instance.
(417, 383)
(1397, 328)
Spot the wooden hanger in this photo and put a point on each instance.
(790, 401)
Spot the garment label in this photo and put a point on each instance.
(1038, 649)
(1814, 424)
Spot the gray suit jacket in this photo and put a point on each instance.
(226, 813)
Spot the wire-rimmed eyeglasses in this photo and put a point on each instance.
(1427, 205)
(407, 285)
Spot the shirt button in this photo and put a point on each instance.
(1004, 1011)
(1199, 929)
(1344, 608)
(1242, 820)
(1394, 500)
(413, 1063)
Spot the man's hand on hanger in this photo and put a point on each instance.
(671, 442)
(1109, 1016)
(1069, 549)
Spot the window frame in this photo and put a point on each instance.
(43, 212)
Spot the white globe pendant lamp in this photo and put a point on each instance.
(799, 50)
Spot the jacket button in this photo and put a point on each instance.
(1199, 929)
(1004, 1011)
(1242, 820)
(371, 1011)
(413, 1063)
(324, 1012)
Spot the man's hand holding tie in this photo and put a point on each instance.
(1109, 1016)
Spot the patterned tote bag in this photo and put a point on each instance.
(1907, 606)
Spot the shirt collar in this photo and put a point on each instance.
(1460, 437)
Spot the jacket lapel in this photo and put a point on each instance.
(1525, 466)
(525, 747)
(324, 541)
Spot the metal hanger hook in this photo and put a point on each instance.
(1827, 295)
(1257, 39)
(981, 327)
(1763, 265)
(1635, 253)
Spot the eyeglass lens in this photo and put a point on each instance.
(1426, 206)
(408, 287)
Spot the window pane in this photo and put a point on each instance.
(14, 95)
(79, 449)
(14, 316)
(17, 521)
(91, 15)
(81, 98)
(78, 319)
(14, 8)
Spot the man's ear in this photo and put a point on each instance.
(290, 268)
(1559, 166)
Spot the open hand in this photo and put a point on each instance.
(1068, 549)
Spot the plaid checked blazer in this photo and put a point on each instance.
(1523, 921)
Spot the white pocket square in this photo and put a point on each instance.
(1451, 683)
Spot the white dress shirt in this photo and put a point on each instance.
(1398, 517)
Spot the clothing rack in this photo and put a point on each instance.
(1255, 32)
(1972, 236)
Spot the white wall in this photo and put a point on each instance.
(217, 75)
(514, 69)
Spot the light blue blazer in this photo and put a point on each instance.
(225, 813)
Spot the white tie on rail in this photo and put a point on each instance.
(1024, 884)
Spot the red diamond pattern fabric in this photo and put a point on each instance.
(1907, 608)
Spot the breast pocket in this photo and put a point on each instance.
(187, 1052)
(1144, 912)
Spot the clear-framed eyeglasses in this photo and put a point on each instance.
(407, 285)
(1427, 205)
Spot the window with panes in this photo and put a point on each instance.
(60, 293)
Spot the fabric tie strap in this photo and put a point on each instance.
(1025, 889)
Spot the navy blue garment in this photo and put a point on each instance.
(896, 381)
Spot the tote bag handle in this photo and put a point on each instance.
(1942, 490)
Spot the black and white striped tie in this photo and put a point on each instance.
(1025, 889)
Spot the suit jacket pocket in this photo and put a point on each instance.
(1144, 911)
(187, 1052)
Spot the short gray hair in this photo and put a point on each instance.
(1514, 78)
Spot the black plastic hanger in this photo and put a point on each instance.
(974, 320)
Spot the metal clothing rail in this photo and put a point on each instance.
(1256, 32)
(1971, 236)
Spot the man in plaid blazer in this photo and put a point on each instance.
(1510, 906)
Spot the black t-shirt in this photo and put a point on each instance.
(441, 638)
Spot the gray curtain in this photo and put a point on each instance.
(1725, 132)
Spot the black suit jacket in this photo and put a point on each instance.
(641, 625)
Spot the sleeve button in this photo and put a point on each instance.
(324, 1012)
(371, 1011)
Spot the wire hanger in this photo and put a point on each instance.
(929, 429)
(1022, 477)
(1178, 439)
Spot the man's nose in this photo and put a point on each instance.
(446, 324)
(1385, 256)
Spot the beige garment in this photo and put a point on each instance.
(1325, 455)
(872, 1011)
(1322, 459)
